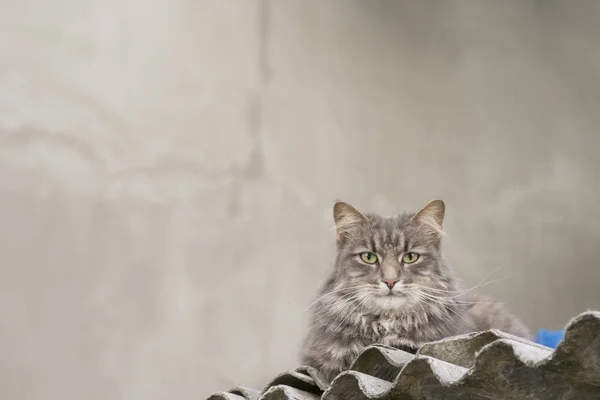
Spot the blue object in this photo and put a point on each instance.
(549, 338)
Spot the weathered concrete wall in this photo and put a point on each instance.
(167, 170)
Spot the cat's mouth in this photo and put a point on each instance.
(390, 294)
(391, 300)
(395, 292)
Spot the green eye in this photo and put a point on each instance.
(410, 258)
(368, 257)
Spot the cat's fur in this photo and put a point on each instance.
(356, 308)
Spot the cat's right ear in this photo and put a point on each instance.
(346, 218)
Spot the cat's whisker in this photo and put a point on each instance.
(332, 293)
(457, 293)
(489, 275)
(361, 300)
(343, 303)
(339, 304)
(454, 299)
(414, 285)
(417, 300)
(370, 296)
(484, 281)
(481, 283)
(441, 301)
(342, 297)
(461, 317)
(344, 310)
(445, 317)
(446, 299)
(431, 296)
(461, 292)
(337, 307)
(487, 283)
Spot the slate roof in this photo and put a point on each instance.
(485, 365)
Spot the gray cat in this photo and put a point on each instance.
(391, 285)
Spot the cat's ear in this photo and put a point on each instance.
(432, 216)
(346, 218)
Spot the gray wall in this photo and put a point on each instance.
(167, 170)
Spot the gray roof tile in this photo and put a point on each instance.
(282, 392)
(304, 378)
(485, 365)
(239, 393)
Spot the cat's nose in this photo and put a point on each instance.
(390, 282)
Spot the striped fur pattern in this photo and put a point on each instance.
(355, 308)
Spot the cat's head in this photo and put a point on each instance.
(391, 263)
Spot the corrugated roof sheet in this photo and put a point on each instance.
(485, 365)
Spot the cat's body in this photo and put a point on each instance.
(391, 285)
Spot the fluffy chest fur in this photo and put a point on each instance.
(336, 338)
(406, 328)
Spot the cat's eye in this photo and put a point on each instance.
(368, 257)
(410, 258)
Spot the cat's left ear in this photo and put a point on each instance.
(432, 216)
